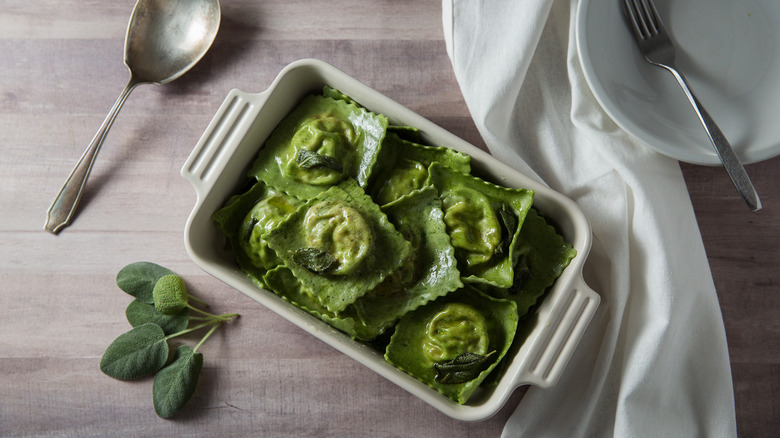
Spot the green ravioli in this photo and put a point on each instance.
(322, 142)
(429, 273)
(282, 281)
(543, 254)
(464, 322)
(340, 245)
(483, 221)
(403, 167)
(335, 94)
(246, 218)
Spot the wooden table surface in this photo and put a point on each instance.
(61, 70)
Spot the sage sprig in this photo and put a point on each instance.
(161, 311)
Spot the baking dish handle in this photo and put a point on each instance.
(229, 126)
(568, 318)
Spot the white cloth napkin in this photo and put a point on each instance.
(654, 361)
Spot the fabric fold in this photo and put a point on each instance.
(654, 361)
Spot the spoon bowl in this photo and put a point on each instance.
(164, 39)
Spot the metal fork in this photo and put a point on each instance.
(657, 47)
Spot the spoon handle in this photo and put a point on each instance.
(64, 206)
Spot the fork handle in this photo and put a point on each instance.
(726, 153)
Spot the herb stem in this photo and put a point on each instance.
(203, 312)
(206, 336)
(201, 318)
(221, 318)
(199, 301)
(192, 329)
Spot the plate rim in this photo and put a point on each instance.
(626, 123)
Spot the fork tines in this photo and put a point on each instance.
(644, 17)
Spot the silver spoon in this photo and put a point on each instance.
(164, 39)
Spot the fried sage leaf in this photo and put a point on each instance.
(137, 353)
(463, 368)
(308, 160)
(174, 385)
(509, 223)
(315, 260)
(522, 275)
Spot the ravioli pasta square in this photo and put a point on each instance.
(246, 218)
(340, 245)
(465, 322)
(282, 281)
(321, 143)
(543, 254)
(403, 167)
(484, 222)
(333, 93)
(429, 273)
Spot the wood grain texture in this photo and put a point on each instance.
(743, 249)
(59, 307)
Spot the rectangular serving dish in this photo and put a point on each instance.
(217, 168)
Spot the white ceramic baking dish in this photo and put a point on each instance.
(217, 168)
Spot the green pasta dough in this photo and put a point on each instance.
(245, 220)
(429, 273)
(404, 165)
(484, 222)
(542, 257)
(461, 323)
(322, 142)
(393, 242)
(282, 281)
(345, 223)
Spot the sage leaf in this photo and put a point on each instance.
(138, 279)
(509, 223)
(137, 353)
(464, 368)
(250, 229)
(174, 385)
(170, 295)
(308, 159)
(522, 273)
(138, 313)
(315, 260)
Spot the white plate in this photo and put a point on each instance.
(728, 50)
